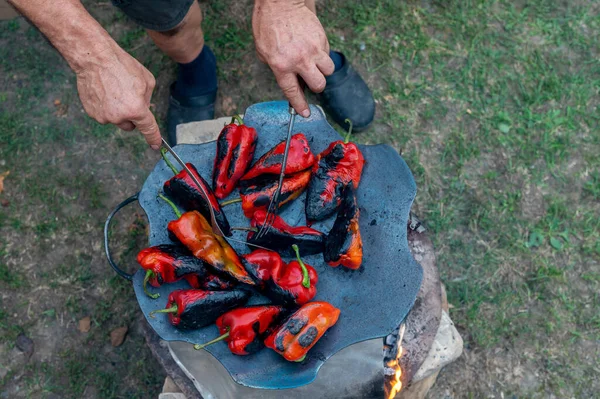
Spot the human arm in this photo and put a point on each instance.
(113, 86)
(290, 39)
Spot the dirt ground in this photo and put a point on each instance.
(494, 106)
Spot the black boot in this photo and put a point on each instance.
(347, 96)
(189, 109)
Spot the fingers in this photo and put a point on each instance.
(147, 125)
(291, 90)
(325, 64)
(314, 78)
(127, 126)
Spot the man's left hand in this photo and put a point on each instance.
(291, 40)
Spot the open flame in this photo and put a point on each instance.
(394, 364)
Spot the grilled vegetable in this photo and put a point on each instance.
(301, 331)
(336, 167)
(235, 149)
(184, 192)
(195, 233)
(282, 236)
(258, 194)
(210, 282)
(288, 284)
(245, 328)
(300, 158)
(192, 309)
(343, 245)
(170, 263)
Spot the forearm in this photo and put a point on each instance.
(71, 29)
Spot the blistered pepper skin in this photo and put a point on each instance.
(343, 245)
(279, 281)
(336, 167)
(257, 195)
(301, 331)
(235, 148)
(300, 158)
(195, 233)
(198, 308)
(282, 236)
(247, 327)
(182, 190)
(169, 263)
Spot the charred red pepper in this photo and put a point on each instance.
(259, 264)
(288, 284)
(235, 149)
(336, 167)
(184, 192)
(192, 309)
(258, 195)
(170, 263)
(301, 331)
(343, 245)
(300, 158)
(245, 328)
(281, 236)
(195, 233)
(209, 282)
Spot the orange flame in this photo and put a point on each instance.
(395, 364)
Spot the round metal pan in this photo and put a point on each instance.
(373, 300)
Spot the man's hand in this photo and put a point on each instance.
(118, 91)
(113, 86)
(290, 39)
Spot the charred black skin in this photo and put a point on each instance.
(278, 294)
(258, 342)
(259, 184)
(339, 239)
(309, 244)
(316, 208)
(189, 198)
(187, 263)
(206, 311)
(218, 283)
(308, 337)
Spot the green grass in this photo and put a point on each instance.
(493, 104)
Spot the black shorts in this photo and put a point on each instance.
(158, 15)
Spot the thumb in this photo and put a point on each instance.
(148, 127)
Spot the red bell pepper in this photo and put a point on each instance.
(281, 236)
(343, 245)
(235, 149)
(339, 165)
(301, 331)
(192, 309)
(184, 192)
(245, 328)
(300, 158)
(257, 196)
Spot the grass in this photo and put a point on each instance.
(493, 104)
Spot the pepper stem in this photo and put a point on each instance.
(172, 309)
(237, 118)
(163, 153)
(305, 277)
(231, 201)
(168, 201)
(254, 229)
(301, 359)
(219, 338)
(347, 137)
(149, 274)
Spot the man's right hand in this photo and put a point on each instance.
(118, 91)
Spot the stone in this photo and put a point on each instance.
(117, 336)
(169, 386)
(447, 347)
(25, 344)
(85, 324)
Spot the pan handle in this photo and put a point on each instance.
(120, 272)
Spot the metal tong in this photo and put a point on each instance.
(274, 204)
